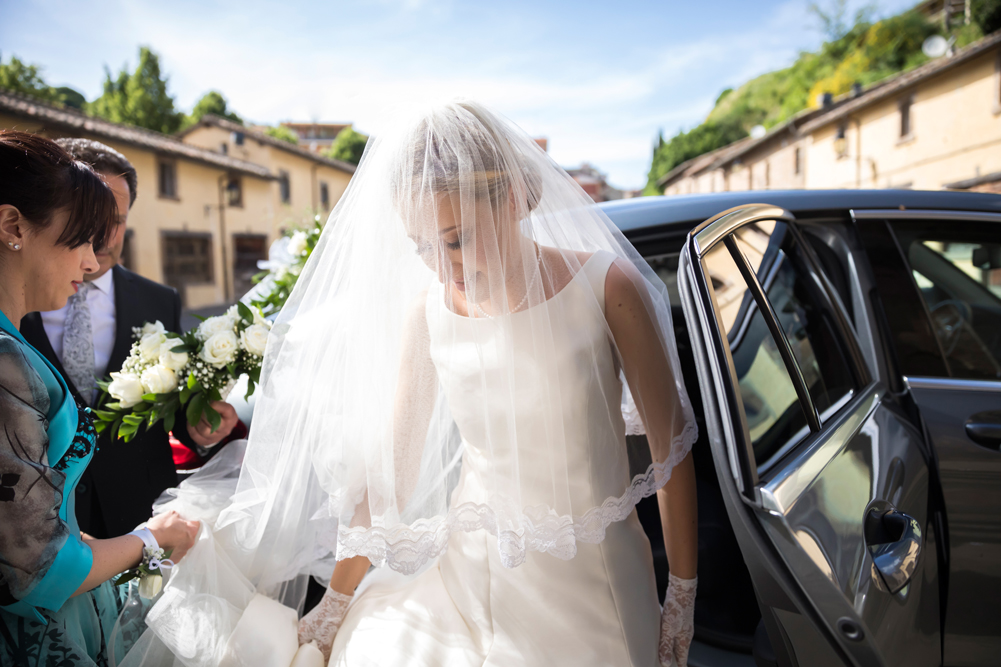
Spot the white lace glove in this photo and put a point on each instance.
(322, 622)
(677, 621)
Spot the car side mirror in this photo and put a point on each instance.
(987, 256)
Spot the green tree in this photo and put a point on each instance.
(348, 145)
(71, 97)
(283, 133)
(139, 98)
(214, 103)
(986, 14)
(20, 77)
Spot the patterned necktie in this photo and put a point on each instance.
(78, 344)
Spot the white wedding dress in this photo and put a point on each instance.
(597, 608)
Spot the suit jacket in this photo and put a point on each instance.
(119, 486)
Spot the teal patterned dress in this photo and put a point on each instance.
(46, 442)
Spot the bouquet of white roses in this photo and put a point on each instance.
(167, 372)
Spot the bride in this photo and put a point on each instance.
(445, 397)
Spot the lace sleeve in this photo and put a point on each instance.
(31, 492)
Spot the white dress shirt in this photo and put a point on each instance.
(101, 302)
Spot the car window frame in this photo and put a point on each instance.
(702, 239)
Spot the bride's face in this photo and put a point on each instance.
(465, 242)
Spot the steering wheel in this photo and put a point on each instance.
(960, 341)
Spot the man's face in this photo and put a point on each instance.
(112, 253)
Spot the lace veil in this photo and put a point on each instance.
(450, 249)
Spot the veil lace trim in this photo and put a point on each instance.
(407, 548)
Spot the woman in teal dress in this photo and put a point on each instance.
(57, 603)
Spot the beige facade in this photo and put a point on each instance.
(203, 215)
(314, 183)
(937, 126)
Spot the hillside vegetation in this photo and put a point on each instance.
(865, 53)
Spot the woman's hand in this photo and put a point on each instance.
(174, 533)
(323, 621)
(677, 621)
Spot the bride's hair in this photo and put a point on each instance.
(458, 149)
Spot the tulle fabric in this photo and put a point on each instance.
(354, 450)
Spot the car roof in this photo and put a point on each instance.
(642, 212)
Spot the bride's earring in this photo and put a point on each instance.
(15, 246)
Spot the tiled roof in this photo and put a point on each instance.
(75, 122)
(900, 82)
(228, 125)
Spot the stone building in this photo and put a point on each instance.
(205, 211)
(936, 126)
(317, 137)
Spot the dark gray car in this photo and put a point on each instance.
(843, 351)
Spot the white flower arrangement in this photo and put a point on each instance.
(166, 372)
(150, 572)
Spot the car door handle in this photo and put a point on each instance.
(894, 540)
(984, 428)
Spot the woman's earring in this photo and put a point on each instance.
(15, 246)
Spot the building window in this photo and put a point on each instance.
(224, 149)
(905, 117)
(284, 187)
(797, 161)
(167, 171)
(187, 259)
(234, 191)
(324, 195)
(248, 249)
(768, 175)
(237, 138)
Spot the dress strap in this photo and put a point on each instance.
(595, 270)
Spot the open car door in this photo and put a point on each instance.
(824, 477)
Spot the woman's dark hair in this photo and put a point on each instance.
(39, 179)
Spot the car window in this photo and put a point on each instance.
(781, 270)
(774, 414)
(776, 420)
(666, 268)
(957, 270)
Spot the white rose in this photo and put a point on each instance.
(159, 379)
(297, 244)
(149, 346)
(150, 585)
(175, 361)
(155, 327)
(254, 339)
(220, 349)
(214, 325)
(126, 388)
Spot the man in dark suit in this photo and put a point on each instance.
(91, 337)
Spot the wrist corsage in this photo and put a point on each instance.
(150, 571)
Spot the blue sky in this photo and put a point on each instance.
(597, 78)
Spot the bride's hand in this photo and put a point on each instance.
(173, 533)
(677, 621)
(322, 622)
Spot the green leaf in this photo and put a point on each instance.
(168, 422)
(184, 395)
(215, 419)
(200, 318)
(132, 420)
(214, 395)
(101, 427)
(195, 408)
(231, 367)
(104, 415)
(149, 397)
(245, 312)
